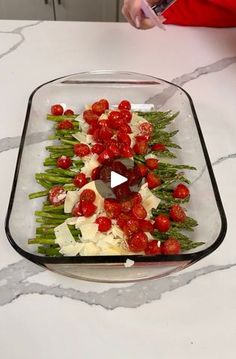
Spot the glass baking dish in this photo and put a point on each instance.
(74, 91)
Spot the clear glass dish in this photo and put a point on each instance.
(75, 91)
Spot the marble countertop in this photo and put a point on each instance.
(189, 314)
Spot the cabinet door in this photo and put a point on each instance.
(26, 9)
(86, 10)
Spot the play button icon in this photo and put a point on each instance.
(117, 179)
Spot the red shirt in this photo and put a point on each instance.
(217, 13)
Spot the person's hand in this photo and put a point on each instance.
(132, 12)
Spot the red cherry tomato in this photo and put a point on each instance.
(171, 246)
(181, 191)
(64, 162)
(152, 163)
(80, 180)
(57, 195)
(65, 125)
(95, 173)
(122, 191)
(105, 103)
(131, 226)
(134, 177)
(69, 112)
(112, 208)
(122, 219)
(146, 128)
(138, 242)
(98, 108)
(105, 173)
(139, 211)
(119, 167)
(124, 105)
(105, 134)
(57, 110)
(153, 180)
(104, 157)
(113, 150)
(153, 248)
(87, 195)
(142, 169)
(90, 117)
(136, 198)
(126, 115)
(81, 149)
(146, 225)
(126, 205)
(88, 209)
(125, 128)
(115, 119)
(142, 138)
(77, 210)
(123, 138)
(158, 147)
(140, 148)
(103, 123)
(98, 148)
(104, 224)
(126, 151)
(162, 223)
(177, 213)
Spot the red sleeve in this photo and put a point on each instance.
(217, 13)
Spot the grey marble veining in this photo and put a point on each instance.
(13, 284)
(17, 31)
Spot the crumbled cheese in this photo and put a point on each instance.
(72, 198)
(83, 220)
(117, 231)
(89, 165)
(63, 235)
(128, 263)
(83, 138)
(103, 117)
(88, 232)
(149, 199)
(89, 249)
(71, 249)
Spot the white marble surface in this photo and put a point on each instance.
(190, 314)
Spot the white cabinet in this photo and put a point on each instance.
(27, 9)
(72, 10)
(86, 10)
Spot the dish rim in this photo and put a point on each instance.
(116, 259)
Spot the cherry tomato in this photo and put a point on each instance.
(123, 138)
(65, 125)
(119, 167)
(105, 134)
(104, 224)
(104, 157)
(103, 123)
(69, 112)
(162, 223)
(139, 211)
(105, 103)
(98, 148)
(87, 195)
(81, 149)
(90, 117)
(136, 198)
(126, 115)
(124, 105)
(122, 191)
(171, 246)
(126, 151)
(95, 173)
(115, 119)
(64, 162)
(138, 242)
(88, 208)
(142, 169)
(158, 147)
(80, 180)
(177, 213)
(122, 219)
(131, 226)
(146, 225)
(105, 174)
(98, 108)
(125, 128)
(57, 110)
(126, 205)
(152, 163)
(142, 138)
(113, 150)
(146, 128)
(181, 191)
(140, 148)
(134, 176)
(153, 248)
(153, 180)
(77, 210)
(112, 208)
(57, 195)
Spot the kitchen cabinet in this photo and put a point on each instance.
(27, 9)
(72, 10)
(86, 10)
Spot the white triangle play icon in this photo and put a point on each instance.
(117, 179)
